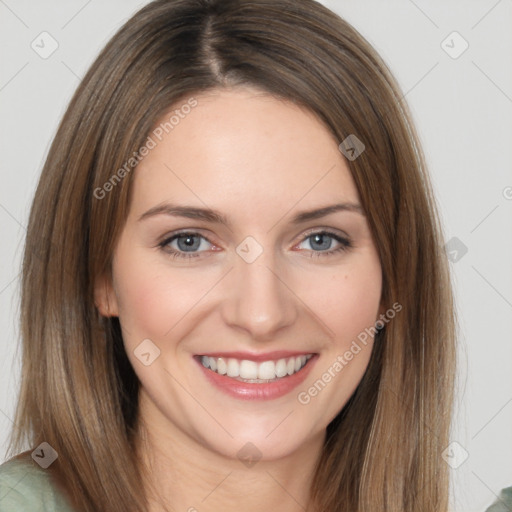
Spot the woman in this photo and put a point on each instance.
(234, 292)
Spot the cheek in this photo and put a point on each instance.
(347, 301)
(348, 304)
(151, 298)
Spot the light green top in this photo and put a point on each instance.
(26, 487)
(503, 503)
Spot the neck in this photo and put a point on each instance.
(182, 474)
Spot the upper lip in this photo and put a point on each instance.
(251, 356)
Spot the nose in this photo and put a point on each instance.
(258, 299)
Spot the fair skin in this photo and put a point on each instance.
(259, 161)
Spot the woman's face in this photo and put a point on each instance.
(259, 286)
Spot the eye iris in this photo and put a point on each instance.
(326, 239)
(188, 241)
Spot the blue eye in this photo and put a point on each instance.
(188, 244)
(322, 240)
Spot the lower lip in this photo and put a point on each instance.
(255, 391)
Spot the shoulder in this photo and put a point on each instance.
(503, 503)
(25, 486)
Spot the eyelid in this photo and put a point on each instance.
(344, 241)
(199, 231)
(324, 229)
(171, 237)
(184, 231)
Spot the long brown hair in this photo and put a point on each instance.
(79, 392)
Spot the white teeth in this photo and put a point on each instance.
(248, 369)
(252, 371)
(233, 368)
(222, 366)
(281, 369)
(267, 370)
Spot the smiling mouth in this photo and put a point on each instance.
(244, 370)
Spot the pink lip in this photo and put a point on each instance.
(254, 391)
(267, 356)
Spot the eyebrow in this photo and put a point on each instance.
(214, 216)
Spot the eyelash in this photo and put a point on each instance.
(345, 244)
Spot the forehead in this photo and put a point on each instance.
(241, 148)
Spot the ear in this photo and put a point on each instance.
(105, 297)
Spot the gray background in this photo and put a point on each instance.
(463, 109)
